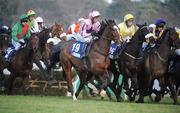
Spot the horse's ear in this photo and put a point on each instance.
(145, 23)
(107, 22)
(56, 23)
(138, 25)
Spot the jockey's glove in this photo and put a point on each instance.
(93, 33)
(95, 38)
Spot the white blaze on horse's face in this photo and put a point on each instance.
(116, 28)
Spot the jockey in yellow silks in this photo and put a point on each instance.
(127, 28)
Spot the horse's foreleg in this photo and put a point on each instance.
(141, 84)
(10, 84)
(38, 63)
(83, 80)
(68, 73)
(173, 90)
(162, 85)
(105, 82)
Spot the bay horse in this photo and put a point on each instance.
(22, 62)
(155, 65)
(54, 31)
(97, 61)
(126, 65)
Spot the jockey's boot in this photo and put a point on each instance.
(10, 56)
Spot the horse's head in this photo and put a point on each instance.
(171, 37)
(140, 34)
(4, 42)
(111, 31)
(57, 30)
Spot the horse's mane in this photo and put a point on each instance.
(102, 28)
(104, 24)
(135, 38)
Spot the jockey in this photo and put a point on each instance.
(127, 28)
(160, 24)
(33, 25)
(149, 43)
(90, 27)
(40, 22)
(73, 30)
(20, 31)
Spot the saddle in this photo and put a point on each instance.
(81, 49)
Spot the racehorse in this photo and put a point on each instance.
(174, 79)
(155, 65)
(55, 31)
(127, 64)
(95, 63)
(22, 62)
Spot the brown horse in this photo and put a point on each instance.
(54, 31)
(97, 61)
(22, 62)
(155, 65)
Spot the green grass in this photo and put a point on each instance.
(57, 104)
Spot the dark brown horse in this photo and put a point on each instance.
(155, 65)
(127, 64)
(174, 79)
(97, 61)
(4, 42)
(22, 62)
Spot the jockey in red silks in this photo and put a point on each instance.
(90, 27)
(73, 30)
(20, 32)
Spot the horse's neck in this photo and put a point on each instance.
(164, 49)
(164, 46)
(133, 48)
(28, 53)
(103, 45)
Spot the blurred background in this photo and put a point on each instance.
(68, 11)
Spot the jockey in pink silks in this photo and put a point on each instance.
(90, 27)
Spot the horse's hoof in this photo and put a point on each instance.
(103, 93)
(74, 98)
